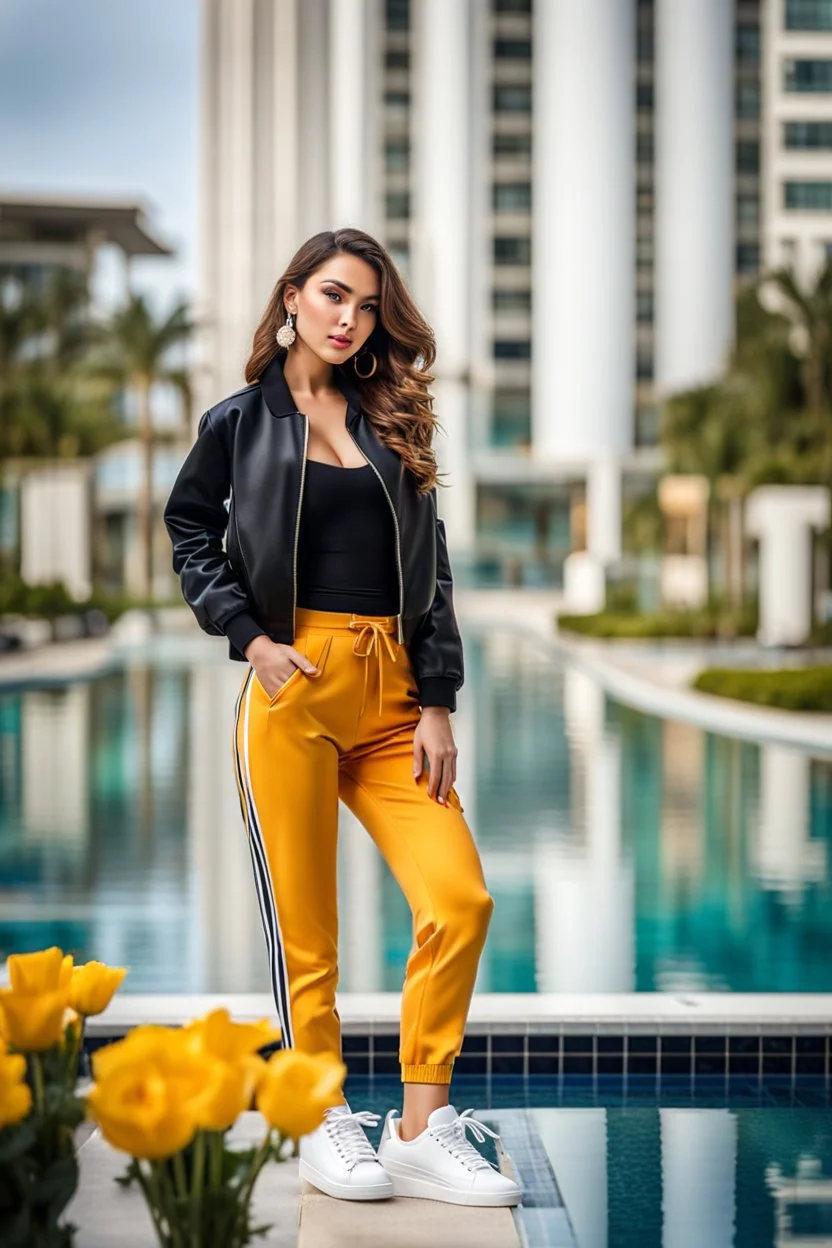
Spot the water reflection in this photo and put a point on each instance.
(624, 851)
(692, 1177)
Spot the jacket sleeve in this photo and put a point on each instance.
(436, 649)
(196, 520)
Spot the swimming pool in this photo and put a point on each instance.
(625, 852)
(624, 1165)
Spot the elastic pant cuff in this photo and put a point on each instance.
(426, 1074)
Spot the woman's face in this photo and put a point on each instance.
(337, 309)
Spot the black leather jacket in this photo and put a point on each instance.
(242, 481)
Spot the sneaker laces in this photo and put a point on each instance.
(451, 1135)
(346, 1132)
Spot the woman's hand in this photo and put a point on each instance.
(434, 737)
(274, 662)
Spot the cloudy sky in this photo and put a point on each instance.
(100, 96)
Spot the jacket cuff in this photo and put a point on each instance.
(240, 629)
(438, 691)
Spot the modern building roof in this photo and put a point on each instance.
(34, 218)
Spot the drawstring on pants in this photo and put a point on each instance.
(367, 641)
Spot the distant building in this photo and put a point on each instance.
(72, 520)
(572, 190)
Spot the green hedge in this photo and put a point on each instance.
(791, 689)
(704, 623)
(48, 601)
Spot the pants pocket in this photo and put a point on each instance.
(313, 647)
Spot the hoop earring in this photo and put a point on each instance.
(286, 335)
(355, 359)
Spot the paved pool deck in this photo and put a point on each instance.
(300, 1216)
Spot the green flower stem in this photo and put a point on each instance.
(196, 1188)
(217, 1147)
(258, 1162)
(37, 1080)
(166, 1198)
(148, 1188)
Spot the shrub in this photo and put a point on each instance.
(791, 689)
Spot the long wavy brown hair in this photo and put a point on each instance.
(396, 398)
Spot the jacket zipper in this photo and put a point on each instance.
(400, 632)
(297, 527)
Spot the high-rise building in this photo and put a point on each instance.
(572, 191)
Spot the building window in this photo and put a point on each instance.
(644, 96)
(397, 205)
(644, 365)
(807, 76)
(396, 155)
(748, 210)
(510, 418)
(512, 145)
(748, 258)
(397, 60)
(748, 156)
(809, 135)
(512, 196)
(512, 98)
(816, 196)
(512, 349)
(512, 6)
(808, 14)
(644, 44)
(644, 307)
(748, 45)
(644, 148)
(513, 49)
(509, 250)
(748, 100)
(397, 99)
(644, 252)
(511, 300)
(397, 14)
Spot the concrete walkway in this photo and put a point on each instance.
(656, 679)
(301, 1216)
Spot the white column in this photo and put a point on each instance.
(699, 1162)
(583, 227)
(782, 517)
(694, 191)
(354, 30)
(361, 921)
(440, 241)
(786, 856)
(576, 1144)
(584, 889)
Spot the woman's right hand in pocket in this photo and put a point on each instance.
(274, 662)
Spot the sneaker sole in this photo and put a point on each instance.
(406, 1185)
(342, 1191)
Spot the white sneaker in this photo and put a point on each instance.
(442, 1163)
(338, 1158)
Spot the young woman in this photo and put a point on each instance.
(334, 586)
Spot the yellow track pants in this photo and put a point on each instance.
(347, 732)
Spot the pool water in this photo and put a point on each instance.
(625, 852)
(620, 1167)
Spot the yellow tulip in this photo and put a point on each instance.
(15, 1093)
(141, 1114)
(215, 1033)
(144, 1043)
(296, 1089)
(93, 986)
(32, 1021)
(46, 971)
(158, 1071)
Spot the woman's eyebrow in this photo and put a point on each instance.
(344, 286)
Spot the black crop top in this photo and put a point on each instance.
(347, 542)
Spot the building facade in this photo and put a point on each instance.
(573, 193)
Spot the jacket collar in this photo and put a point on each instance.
(278, 396)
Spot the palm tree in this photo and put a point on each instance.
(138, 347)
